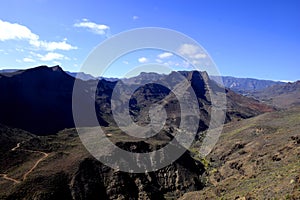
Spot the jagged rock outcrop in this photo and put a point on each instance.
(94, 180)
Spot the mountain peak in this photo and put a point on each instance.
(56, 68)
(195, 74)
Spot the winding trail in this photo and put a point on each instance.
(45, 155)
(16, 147)
(8, 178)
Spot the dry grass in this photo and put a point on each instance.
(257, 158)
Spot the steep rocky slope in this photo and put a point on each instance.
(257, 158)
(39, 99)
(69, 172)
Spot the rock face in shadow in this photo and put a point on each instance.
(38, 100)
(94, 180)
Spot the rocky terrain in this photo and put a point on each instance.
(70, 172)
(280, 96)
(256, 158)
(42, 157)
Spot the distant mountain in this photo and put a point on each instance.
(81, 75)
(282, 96)
(142, 77)
(246, 85)
(8, 70)
(243, 86)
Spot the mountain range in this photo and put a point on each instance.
(39, 100)
(246, 85)
(240, 85)
(281, 96)
(42, 157)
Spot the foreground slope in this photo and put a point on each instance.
(257, 158)
(59, 167)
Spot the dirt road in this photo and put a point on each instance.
(45, 155)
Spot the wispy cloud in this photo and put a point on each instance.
(56, 63)
(165, 55)
(52, 46)
(28, 60)
(193, 52)
(143, 60)
(20, 49)
(99, 29)
(51, 56)
(14, 31)
(158, 60)
(135, 17)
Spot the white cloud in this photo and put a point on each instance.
(125, 62)
(19, 49)
(158, 60)
(14, 31)
(165, 55)
(186, 65)
(51, 56)
(28, 60)
(192, 52)
(135, 17)
(52, 46)
(56, 63)
(99, 29)
(143, 60)
(175, 64)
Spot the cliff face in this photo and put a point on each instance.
(94, 180)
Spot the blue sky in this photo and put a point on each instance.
(251, 38)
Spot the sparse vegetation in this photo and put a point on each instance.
(254, 174)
